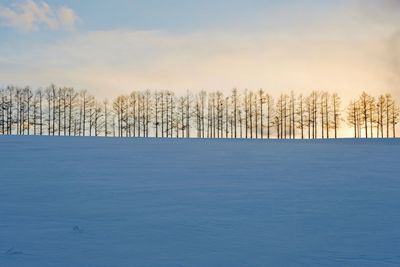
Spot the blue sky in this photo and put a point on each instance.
(188, 16)
(110, 47)
(177, 15)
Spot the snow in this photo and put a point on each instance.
(152, 202)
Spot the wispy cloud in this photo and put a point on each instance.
(113, 62)
(383, 15)
(30, 15)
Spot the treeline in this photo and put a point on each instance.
(64, 111)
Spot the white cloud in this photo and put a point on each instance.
(67, 18)
(30, 15)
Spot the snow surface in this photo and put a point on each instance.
(151, 202)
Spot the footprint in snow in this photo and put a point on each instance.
(77, 229)
(13, 252)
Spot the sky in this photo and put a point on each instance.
(114, 47)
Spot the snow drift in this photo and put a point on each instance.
(152, 202)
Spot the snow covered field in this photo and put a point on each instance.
(146, 202)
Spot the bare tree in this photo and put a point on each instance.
(336, 102)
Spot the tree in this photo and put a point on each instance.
(364, 104)
(336, 102)
(394, 116)
(353, 117)
(381, 112)
(301, 115)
